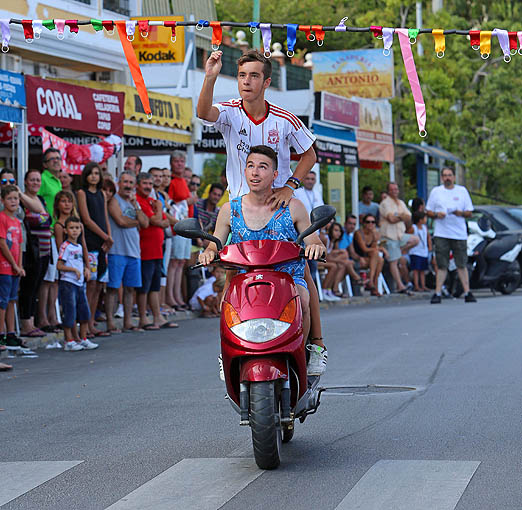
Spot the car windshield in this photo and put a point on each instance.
(515, 212)
(500, 218)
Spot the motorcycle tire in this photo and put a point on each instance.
(265, 422)
(508, 285)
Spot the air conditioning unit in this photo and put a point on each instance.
(104, 76)
(11, 62)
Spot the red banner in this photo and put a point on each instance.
(51, 103)
(50, 140)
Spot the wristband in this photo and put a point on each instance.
(289, 187)
(294, 180)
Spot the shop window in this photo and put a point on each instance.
(119, 6)
(88, 2)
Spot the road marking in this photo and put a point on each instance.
(17, 478)
(410, 485)
(198, 484)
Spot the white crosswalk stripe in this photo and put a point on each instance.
(198, 484)
(410, 485)
(17, 478)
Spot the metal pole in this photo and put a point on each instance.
(420, 49)
(392, 172)
(355, 193)
(256, 41)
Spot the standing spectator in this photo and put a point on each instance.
(382, 196)
(207, 210)
(74, 272)
(133, 164)
(367, 206)
(367, 251)
(10, 265)
(419, 254)
(92, 205)
(449, 204)
(165, 181)
(306, 193)
(109, 188)
(151, 241)
(36, 255)
(194, 184)
(349, 228)
(66, 179)
(51, 185)
(183, 201)
(126, 218)
(394, 217)
(187, 174)
(223, 180)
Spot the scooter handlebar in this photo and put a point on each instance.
(199, 264)
(320, 259)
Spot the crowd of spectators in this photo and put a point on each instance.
(75, 252)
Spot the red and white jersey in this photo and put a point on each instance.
(278, 129)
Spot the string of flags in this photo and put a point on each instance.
(481, 40)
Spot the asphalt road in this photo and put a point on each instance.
(142, 422)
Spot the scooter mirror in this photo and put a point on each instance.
(191, 228)
(320, 216)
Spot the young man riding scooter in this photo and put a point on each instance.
(249, 217)
(250, 121)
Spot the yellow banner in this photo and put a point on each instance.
(157, 47)
(171, 115)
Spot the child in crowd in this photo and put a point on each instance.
(210, 306)
(74, 272)
(419, 253)
(10, 265)
(197, 302)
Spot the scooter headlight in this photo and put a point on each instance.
(259, 330)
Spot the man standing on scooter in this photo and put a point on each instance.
(251, 217)
(449, 205)
(251, 121)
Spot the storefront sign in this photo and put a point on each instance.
(51, 103)
(336, 110)
(12, 96)
(157, 47)
(361, 73)
(333, 153)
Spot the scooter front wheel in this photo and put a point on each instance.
(265, 422)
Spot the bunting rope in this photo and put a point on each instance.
(510, 42)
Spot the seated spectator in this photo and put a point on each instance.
(368, 252)
(366, 205)
(340, 257)
(207, 209)
(74, 272)
(349, 228)
(205, 290)
(223, 181)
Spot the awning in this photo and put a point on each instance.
(171, 115)
(12, 97)
(335, 146)
(430, 150)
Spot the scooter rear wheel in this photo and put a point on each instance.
(265, 422)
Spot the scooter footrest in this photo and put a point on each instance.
(287, 420)
(244, 423)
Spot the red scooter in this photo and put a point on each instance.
(262, 345)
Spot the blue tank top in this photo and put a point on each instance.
(280, 228)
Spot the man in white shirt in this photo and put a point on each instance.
(449, 204)
(307, 195)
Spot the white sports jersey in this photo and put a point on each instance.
(279, 129)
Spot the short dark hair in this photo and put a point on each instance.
(367, 188)
(256, 56)
(31, 171)
(8, 189)
(7, 171)
(154, 168)
(452, 170)
(366, 216)
(214, 186)
(417, 216)
(72, 219)
(48, 151)
(87, 170)
(265, 151)
(351, 216)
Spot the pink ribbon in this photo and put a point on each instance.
(413, 78)
(60, 26)
(519, 35)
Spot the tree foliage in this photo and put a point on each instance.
(472, 104)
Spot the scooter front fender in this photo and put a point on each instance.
(263, 369)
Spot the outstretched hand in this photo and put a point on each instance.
(213, 64)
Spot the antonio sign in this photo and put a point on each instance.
(157, 47)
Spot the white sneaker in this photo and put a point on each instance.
(54, 345)
(73, 346)
(87, 344)
(221, 371)
(119, 312)
(329, 296)
(318, 360)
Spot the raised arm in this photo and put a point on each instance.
(205, 110)
(221, 232)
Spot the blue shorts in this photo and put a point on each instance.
(418, 263)
(73, 301)
(8, 289)
(151, 271)
(124, 269)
